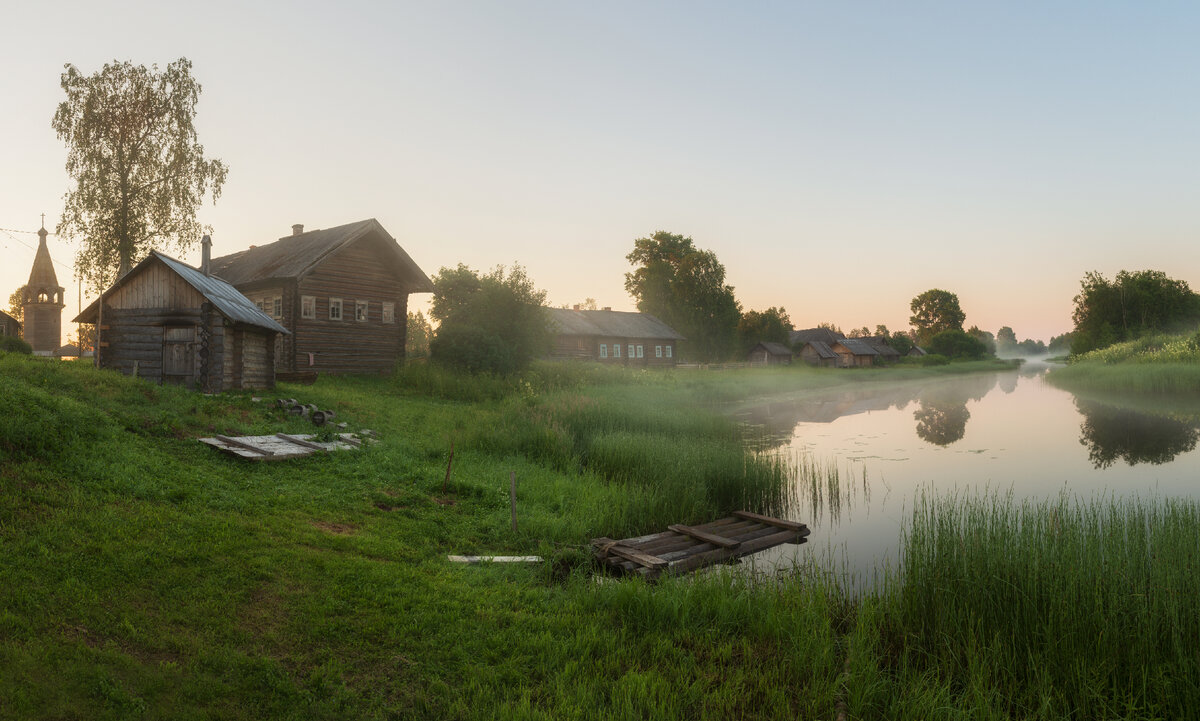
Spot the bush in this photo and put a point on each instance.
(955, 344)
(13, 344)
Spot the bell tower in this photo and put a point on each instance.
(43, 302)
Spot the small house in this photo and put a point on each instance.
(916, 352)
(818, 353)
(854, 353)
(9, 325)
(887, 354)
(342, 293)
(168, 322)
(767, 353)
(611, 336)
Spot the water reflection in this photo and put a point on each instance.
(1112, 433)
(941, 423)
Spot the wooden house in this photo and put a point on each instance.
(916, 352)
(767, 353)
(9, 325)
(611, 336)
(854, 353)
(818, 353)
(341, 292)
(887, 354)
(171, 323)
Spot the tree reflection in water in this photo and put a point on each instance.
(941, 423)
(1110, 433)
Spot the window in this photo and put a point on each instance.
(335, 309)
(277, 306)
(616, 350)
(389, 312)
(658, 351)
(668, 349)
(639, 351)
(360, 310)
(631, 351)
(308, 306)
(603, 350)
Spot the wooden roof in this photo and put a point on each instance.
(228, 301)
(778, 349)
(295, 256)
(609, 324)
(4, 315)
(41, 276)
(856, 346)
(881, 346)
(823, 350)
(824, 335)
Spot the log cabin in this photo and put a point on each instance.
(612, 336)
(170, 323)
(341, 292)
(767, 353)
(854, 353)
(818, 353)
(9, 325)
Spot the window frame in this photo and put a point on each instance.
(604, 350)
(667, 349)
(336, 303)
(365, 307)
(616, 350)
(658, 351)
(639, 350)
(311, 302)
(389, 312)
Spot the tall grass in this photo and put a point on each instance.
(1160, 364)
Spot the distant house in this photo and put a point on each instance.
(767, 353)
(818, 353)
(611, 336)
(854, 353)
(171, 323)
(341, 292)
(9, 325)
(887, 354)
(798, 338)
(916, 352)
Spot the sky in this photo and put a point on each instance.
(839, 158)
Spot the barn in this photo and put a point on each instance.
(9, 325)
(168, 322)
(818, 353)
(767, 353)
(854, 353)
(342, 293)
(612, 336)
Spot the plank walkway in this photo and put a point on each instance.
(281, 446)
(682, 549)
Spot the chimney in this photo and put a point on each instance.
(206, 255)
(298, 228)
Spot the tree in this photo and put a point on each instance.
(16, 304)
(957, 344)
(830, 327)
(685, 288)
(417, 335)
(985, 337)
(1132, 304)
(863, 332)
(139, 170)
(900, 341)
(771, 325)
(935, 311)
(491, 322)
(1006, 339)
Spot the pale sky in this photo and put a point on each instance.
(839, 158)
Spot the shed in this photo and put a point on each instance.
(612, 336)
(170, 323)
(916, 352)
(768, 353)
(818, 353)
(886, 353)
(9, 325)
(854, 353)
(342, 293)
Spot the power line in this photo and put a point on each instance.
(9, 233)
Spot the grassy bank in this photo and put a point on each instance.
(147, 576)
(1159, 364)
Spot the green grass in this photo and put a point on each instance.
(1156, 364)
(148, 576)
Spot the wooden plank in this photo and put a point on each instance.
(608, 546)
(240, 444)
(300, 442)
(494, 559)
(699, 535)
(777, 522)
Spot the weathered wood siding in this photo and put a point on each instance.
(809, 355)
(358, 272)
(574, 347)
(9, 326)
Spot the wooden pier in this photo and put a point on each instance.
(682, 549)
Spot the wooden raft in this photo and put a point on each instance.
(682, 549)
(280, 446)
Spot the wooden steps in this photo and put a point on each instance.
(682, 549)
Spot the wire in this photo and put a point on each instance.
(9, 233)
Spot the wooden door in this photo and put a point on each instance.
(179, 355)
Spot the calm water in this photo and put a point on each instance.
(987, 433)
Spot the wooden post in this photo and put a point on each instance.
(449, 462)
(512, 497)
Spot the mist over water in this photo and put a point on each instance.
(874, 449)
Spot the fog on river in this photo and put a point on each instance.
(998, 433)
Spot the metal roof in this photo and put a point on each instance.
(609, 324)
(294, 256)
(224, 297)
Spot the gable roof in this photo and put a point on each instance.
(6, 315)
(881, 346)
(857, 346)
(224, 297)
(823, 350)
(295, 256)
(773, 348)
(609, 323)
(824, 335)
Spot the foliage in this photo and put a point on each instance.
(13, 344)
(1060, 343)
(957, 344)
(989, 341)
(899, 340)
(685, 288)
(492, 322)
(1006, 338)
(933, 312)
(417, 336)
(1133, 304)
(138, 167)
(16, 303)
(830, 326)
(770, 326)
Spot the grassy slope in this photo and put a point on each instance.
(147, 576)
(1162, 364)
